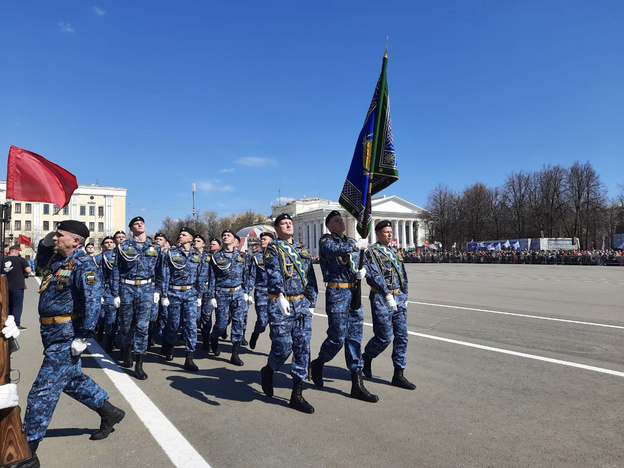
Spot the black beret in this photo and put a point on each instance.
(90, 243)
(119, 232)
(105, 239)
(199, 236)
(214, 239)
(267, 234)
(189, 230)
(331, 215)
(75, 227)
(135, 219)
(160, 234)
(280, 218)
(383, 224)
(227, 230)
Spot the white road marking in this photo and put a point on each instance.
(178, 449)
(518, 315)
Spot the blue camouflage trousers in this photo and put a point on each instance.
(134, 315)
(60, 372)
(108, 312)
(205, 322)
(261, 298)
(291, 334)
(387, 323)
(182, 310)
(345, 328)
(230, 305)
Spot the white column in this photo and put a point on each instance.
(411, 233)
(395, 229)
(317, 229)
(108, 215)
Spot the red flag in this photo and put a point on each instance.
(24, 240)
(31, 177)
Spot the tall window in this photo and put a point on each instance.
(46, 226)
(28, 207)
(66, 210)
(100, 211)
(91, 226)
(100, 227)
(83, 210)
(17, 207)
(91, 210)
(27, 225)
(18, 225)
(46, 208)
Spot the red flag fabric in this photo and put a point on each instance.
(31, 177)
(24, 240)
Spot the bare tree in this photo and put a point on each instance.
(517, 188)
(442, 205)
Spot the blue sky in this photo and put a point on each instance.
(253, 99)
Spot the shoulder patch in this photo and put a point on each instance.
(90, 278)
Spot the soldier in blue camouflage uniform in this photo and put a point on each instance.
(388, 281)
(228, 294)
(108, 312)
(292, 296)
(258, 281)
(137, 282)
(339, 256)
(184, 276)
(68, 308)
(159, 313)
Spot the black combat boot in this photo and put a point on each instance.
(399, 380)
(206, 344)
(127, 357)
(167, 351)
(254, 340)
(358, 391)
(110, 415)
(33, 445)
(235, 359)
(296, 398)
(109, 344)
(151, 332)
(367, 371)
(189, 364)
(138, 368)
(99, 331)
(316, 368)
(266, 375)
(244, 341)
(214, 346)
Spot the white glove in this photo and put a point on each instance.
(213, 303)
(156, 297)
(117, 302)
(311, 310)
(362, 244)
(361, 274)
(391, 302)
(248, 299)
(78, 346)
(284, 306)
(8, 266)
(10, 330)
(47, 240)
(8, 396)
(102, 300)
(164, 302)
(199, 302)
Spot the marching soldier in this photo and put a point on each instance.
(292, 290)
(388, 281)
(228, 294)
(68, 308)
(137, 268)
(105, 261)
(205, 312)
(339, 256)
(183, 286)
(258, 281)
(119, 237)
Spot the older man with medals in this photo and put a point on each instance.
(69, 305)
(292, 288)
(183, 286)
(137, 282)
(388, 281)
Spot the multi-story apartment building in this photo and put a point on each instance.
(102, 209)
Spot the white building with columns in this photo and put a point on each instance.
(408, 226)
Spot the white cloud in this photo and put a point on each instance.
(251, 161)
(99, 11)
(66, 28)
(227, 170)
(214, 186)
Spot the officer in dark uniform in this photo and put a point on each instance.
(258, 281)
(339, 256)
(68, 308)
(292, 295)
(388, 297)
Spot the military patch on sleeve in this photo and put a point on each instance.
(90, 277)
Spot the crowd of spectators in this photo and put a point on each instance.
(533, 257)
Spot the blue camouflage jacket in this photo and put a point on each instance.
(285, 276)
(339, 258)
(227, 270)
(137, 262)
(183, 268)
(385, 270)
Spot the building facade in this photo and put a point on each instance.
(408, 226)
(102, 209)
